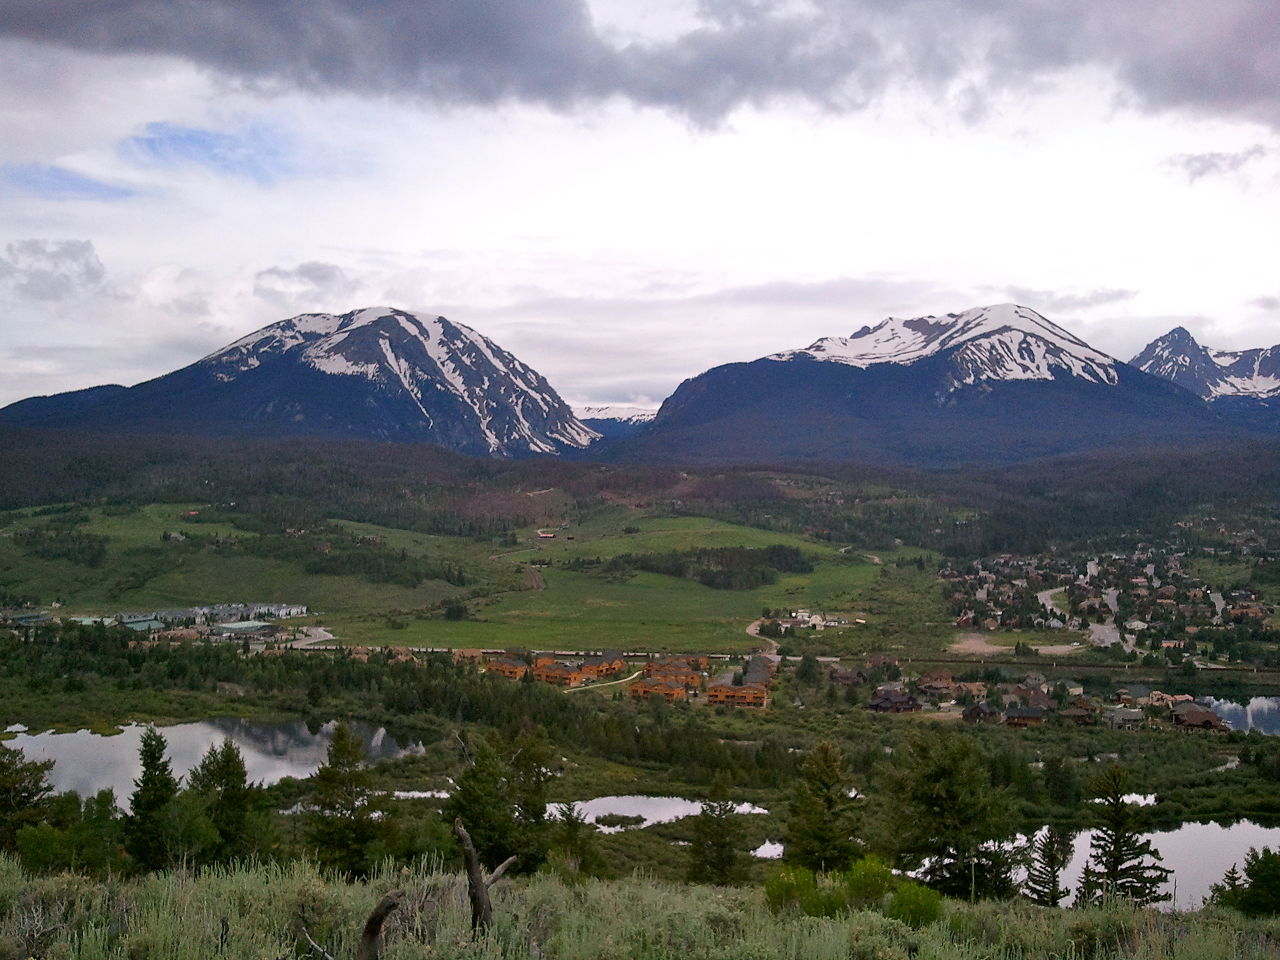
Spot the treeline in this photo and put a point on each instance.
(721, 568)
(412, 697)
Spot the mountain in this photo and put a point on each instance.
(1212, 374)
(993, 384)
(377, 373)
(615, 421)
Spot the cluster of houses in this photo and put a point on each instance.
(552, 669)
(1034, 700)
(675, 678)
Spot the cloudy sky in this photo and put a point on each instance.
(621, 193)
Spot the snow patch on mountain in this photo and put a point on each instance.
(510, 404)
(620, 413)
(1211, 373)
(1000, 342)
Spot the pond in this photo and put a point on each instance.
(1197, 853)
(650, 810)
(88, 762)
(1260, 713)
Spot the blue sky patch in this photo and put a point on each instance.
(257, 153)
(58, 183)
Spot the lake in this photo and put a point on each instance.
(1259, 713)
(88, 762)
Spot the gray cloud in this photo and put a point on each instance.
(50, 269)
(1266, 303)
(1220, 57)
(312, 285)
(1048, 301)
(1197, 165)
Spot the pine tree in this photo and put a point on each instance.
(937, 805)
(221, 782)
(1121, 864)
(24, 793)
(1050, 854)
(822, 818)
(483, 798)
(715, 856)
(345, 821)
(147, 827)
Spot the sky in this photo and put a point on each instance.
(625, 194)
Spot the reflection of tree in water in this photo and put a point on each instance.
(1260, 713)
(87, 762)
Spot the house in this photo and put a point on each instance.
(543, 659)
(724, 691)
(560, 674)
(889, 700)
(846, 678)
(982, 713)
(646, 688)
(936, 685)
(508, 667)
(472, 656)
(1123, 718)
(1024, 716)
(976, 689)
(1196, 716)
(673, 668)
(607, 664)
(1134, 695)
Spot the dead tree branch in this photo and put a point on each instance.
(371, 939)
(477, 883)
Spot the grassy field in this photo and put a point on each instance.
(574, 610)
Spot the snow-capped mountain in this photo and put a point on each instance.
(379, 373)
(990, 384)
(1213, 374)
(1001, 342)
(613, 422)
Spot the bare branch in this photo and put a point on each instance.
(371, 940)
(497, 874)
(315, 947)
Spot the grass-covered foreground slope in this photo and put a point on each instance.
(268, 911)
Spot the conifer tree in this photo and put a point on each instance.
(715, 856)
(147, 827)
(221, 782)
(822, 818)
(483, 798)
(345, 823)
(1050, 855)
(1121, 864)
(24, 793)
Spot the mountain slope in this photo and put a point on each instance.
(377, 373)
(1212, 374)
(993, 384)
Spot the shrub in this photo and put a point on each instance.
(867, 881)
(915, 905)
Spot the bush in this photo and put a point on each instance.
(867, 881)
(915, 905)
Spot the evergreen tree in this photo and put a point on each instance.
(147, 827)
(1121, 864)
(808, 672)
(1257, 893)
(714, 853)
(530, 773)
(575, 840)
(24, 793)
(822, 818)
(1050, 854)
(345, 826)
(483, 798)
(939, 809)
(221, 783)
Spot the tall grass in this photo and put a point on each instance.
(261, 912)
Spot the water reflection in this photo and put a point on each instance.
(651, 810)
(88, 762)
(1260, 713)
